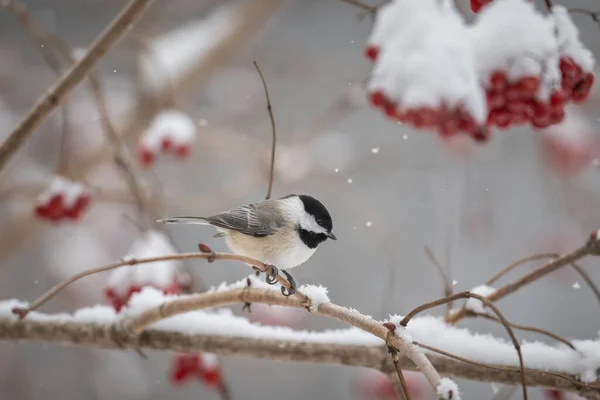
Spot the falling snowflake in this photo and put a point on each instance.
(375, 150)
(576, 285)
(349, 180)
(369, 224)
(454, 282)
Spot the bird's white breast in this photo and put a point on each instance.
(284, 251)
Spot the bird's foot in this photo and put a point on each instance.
(285, 291)
(272, 273)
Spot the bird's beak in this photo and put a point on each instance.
(331, 236)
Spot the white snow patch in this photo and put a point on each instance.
(317, 295)
(448, 389)
(476, 305)
(568, 39)
(174, 125)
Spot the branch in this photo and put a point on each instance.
(206, 254)
(534, 257)
(139, 323)
(592, 247)
(53, 98)
(110, 337)
(366, 7)
(274, 132)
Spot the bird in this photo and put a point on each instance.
(282, 233)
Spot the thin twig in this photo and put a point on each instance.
(488, 303)
(22, 312)
(595, 15)
(548, 5)
(592, 247)
(274, 132)
(527, 328)
(448, 288)
(402, 391)
(48, 102)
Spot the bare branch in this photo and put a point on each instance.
(366, 7)
(76, 74)
(274, 132)
(590, 248)
(208, 255)
(527, 328)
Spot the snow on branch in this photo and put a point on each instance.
(219, 331)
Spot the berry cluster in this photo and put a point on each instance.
(165, 275)
(172, 131)
(63, 199)
(202, 366)
(407, 83)
(528, 77)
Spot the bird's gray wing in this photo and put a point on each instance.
(246, 219)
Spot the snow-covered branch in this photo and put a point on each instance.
(220, 332)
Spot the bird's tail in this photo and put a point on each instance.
(184, 220)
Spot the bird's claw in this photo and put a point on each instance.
(285, 291)
(271, 279)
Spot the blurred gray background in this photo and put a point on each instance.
(391, 191)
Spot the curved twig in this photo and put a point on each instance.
(488, 303)
(22, 312)
(274, 132)
(528, 329)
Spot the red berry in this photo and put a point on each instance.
(558, 99)
(498, 81)
(55, 207)
(495, 100)
(582, 89)
(183, 151)
(567, 66)
(476, 6)
(371, 52)
(173, 288)
(211, 377)
(529, 85)
(145, 156)
(557, 116)
(166, 144)
(377, 99)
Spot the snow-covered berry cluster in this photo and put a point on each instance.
(62, 200)
(202, 366)
(171, 131)
(163, 275)
(433, 72)
(424, 73)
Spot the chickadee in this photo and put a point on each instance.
(283, 232)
